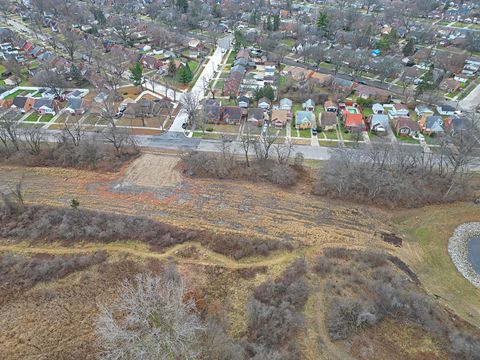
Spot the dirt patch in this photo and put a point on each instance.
(405, 268)
(392, 239)
(153, 171)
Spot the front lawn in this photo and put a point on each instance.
(46, 118)
(305, 133)
(33, 117)
(406, 139)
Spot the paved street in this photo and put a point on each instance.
(207, 74)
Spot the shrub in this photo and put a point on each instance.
(49, 224)
(274, 312)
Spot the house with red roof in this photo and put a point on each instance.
(353, 119)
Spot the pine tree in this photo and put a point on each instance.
(409, 47)
(269, 93)
(276, 22)
(185, 74)
(322, 22)
(182, 5)
(237, 40)
(172, 68)
(136, 74)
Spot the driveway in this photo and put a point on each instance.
(471, 101)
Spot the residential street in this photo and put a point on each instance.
(206, 75)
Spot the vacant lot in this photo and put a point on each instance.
(64, 311)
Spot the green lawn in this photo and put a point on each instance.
(15, 94)
(367, 111)
(232, 57)
(46, 118)
(2, 69)
(325, 65)
(468, 90)
(288, 42)
(406, 139)
(305, 133)
(192, 65)
(330, 135)
(33, 117)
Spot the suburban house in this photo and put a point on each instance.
(45, 106)
(365, 92)
(328, 120)
(231, 87)
(76, 106)
(280, 117)
(343, 85)
(286, 104)
(422, 109)
(232, 114)
(432, 124)
(264, 103)
(256, 116)
(321, 79)
(309, 105)
(296, 73)
(378, 109)
(446, 110)
(378, 123)
(243, 101)
(398, 110)
(23, 103)
(213, 112)
(141, 109)
(353, 122)
(304, 119)
(450, 85)
(405, 126)
(151, 62)
(330, 106)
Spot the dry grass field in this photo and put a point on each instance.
(55, 320)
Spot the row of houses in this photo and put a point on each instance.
(43, 101)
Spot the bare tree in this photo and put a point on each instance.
(247, 141)
(52, 79)
(71, 42)
(263, 145)
(283, 151)
(33, 137)
(118, 137)
(72, 130)
(190, 102)
(151, 319)
(112, 68)
(9, 130)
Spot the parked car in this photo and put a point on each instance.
(314, 131)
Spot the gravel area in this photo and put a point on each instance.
(457, 248)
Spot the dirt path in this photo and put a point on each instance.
(204, 256)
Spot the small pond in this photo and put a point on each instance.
(473, 247)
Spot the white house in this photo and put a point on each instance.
(309, 105)
(286, 104)
(378, 109)
(264, 103)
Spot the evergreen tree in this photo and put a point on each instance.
(276, 22)
(269, 23)
(75, 73)
(322, 22)
(238, 40)
(269, 93)
(182, 5)
(172, 68)
(136, 74)
(409, 47)
(185, 74)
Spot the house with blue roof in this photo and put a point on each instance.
(433, 125)
(304, 119)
